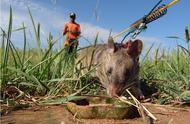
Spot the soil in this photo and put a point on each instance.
(166, 114)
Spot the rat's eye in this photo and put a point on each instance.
(109, 71)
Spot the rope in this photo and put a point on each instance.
(135, 26)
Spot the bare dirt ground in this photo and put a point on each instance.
(166, 114)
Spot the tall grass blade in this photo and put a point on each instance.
(24, 47)
(173, 37)
(6, 54)
(18, 29)
(92, 56)
(37, 33)
(187, 36)
(185, 51)
(50, 46)
(147, 53)
(13, 55)
(16, 53)
(156, 56)
(2, 58)
(51, 61)
(2, 50)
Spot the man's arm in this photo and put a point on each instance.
(65, 29)
(79, 31)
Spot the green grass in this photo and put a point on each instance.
(53, 72)
(169, 72)
(39, 71)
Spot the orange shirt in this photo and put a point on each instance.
(72, 30)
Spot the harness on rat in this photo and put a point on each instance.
(141, 24)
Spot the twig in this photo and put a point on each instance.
(143, 107)
(124, 99)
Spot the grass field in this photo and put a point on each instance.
(51, 72)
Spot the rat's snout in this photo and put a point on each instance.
(114, 91)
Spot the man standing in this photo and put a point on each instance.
(72, 32)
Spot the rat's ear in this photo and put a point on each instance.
(111, 45)
(134, 48)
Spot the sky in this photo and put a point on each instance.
(96, 16)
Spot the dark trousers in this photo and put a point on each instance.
(73, 44)
(71, 48)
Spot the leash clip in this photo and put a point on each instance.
(141, 27)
